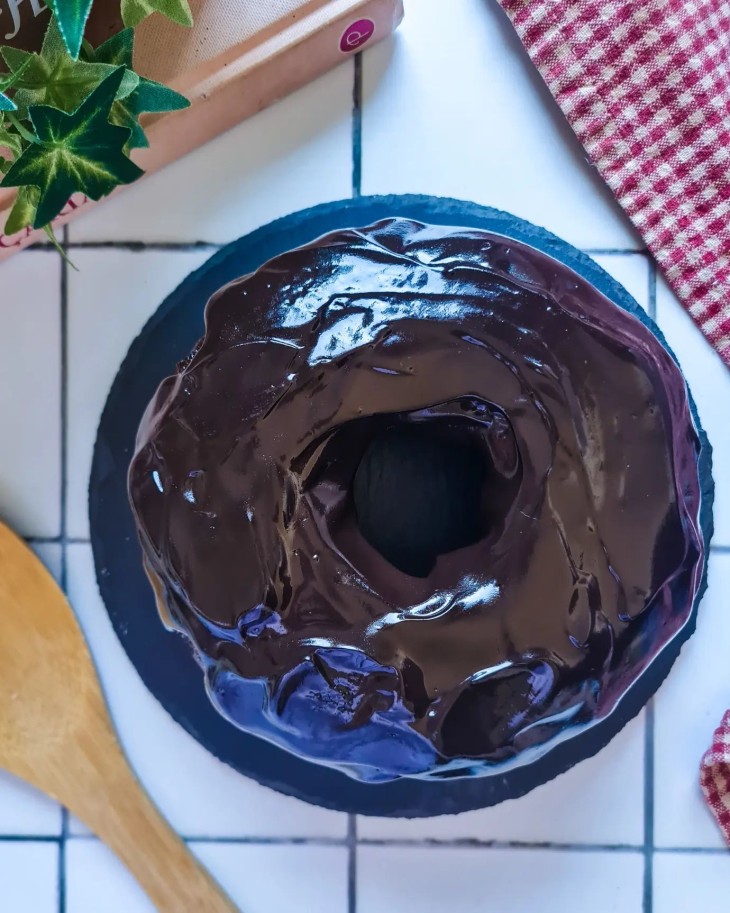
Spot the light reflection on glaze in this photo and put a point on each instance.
(468, 593)
(307, 636)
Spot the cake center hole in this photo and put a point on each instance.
(419, 492)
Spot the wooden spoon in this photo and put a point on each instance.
(55, 733)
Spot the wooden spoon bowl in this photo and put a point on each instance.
(56, 734)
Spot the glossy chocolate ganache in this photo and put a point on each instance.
(422, 499)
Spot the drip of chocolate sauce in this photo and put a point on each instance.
(422, 499)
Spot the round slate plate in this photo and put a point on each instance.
(165, 661)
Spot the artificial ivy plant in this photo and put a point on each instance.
(69, 114)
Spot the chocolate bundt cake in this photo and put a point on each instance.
(422, 499)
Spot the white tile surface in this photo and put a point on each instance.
(709, 381)
(50, 555)
(96, 881)
(453, 107)
(506, 881)
(259, 879)
(685, 883)
(26, 812)
(614, 780)
(290, 156)
(217, 801)
(111, 297)
(688, 708)
(28, 877)
(30, 398)
(280, 879)
(632, 271)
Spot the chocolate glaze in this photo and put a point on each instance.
(584, 556)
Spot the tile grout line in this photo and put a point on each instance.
(405, 843)
(615, 251)
(134, 246)
(648, 899)
(63, 537)
(251, 841)
(468, 843)
(30, 838)
(652, 288)
(64, 525)
(352, 863)
(357, 128)
(692, 850)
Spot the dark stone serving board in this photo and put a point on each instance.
(165, 661)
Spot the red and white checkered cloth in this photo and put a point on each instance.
(645, 85)
(715, 776)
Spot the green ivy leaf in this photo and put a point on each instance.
(134, 11)
(20, 128)
(10, 140)
(51, 235)
(24, 209)
(23, 214)
(149, 96)
(116, 51)
(71, 16)
(78, 152)
(7, 81)
(87, 50)
(53, 78)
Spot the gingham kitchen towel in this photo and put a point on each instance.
(645, 85)
(715, 776)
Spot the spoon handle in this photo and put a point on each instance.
(115, 806)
